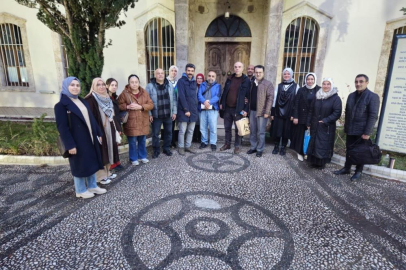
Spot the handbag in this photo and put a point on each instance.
(306, 141)
(124, 114)
(243, 126)
(118, 136)
(61, 147)
(364, 153)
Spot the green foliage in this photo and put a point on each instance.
(404, 11)
(82, 25)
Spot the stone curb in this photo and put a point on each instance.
(374, 170)
(49, 160)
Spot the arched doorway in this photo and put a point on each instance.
(224, 47)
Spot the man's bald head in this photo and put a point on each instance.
(159, 75)
(238, 68)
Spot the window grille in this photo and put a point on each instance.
(300, 47)
(160, 46)
(12, 55)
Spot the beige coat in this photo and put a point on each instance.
(138, 121)
(265, 95)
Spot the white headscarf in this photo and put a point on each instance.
(291, 75)
(315, 80)
(325, 95)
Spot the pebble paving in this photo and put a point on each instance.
(211, 210)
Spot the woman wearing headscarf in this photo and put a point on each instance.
(111, 85)
(324, 111)
(282, 114)
(80, 134)
(303, 99)
(102, 109)
(197, 136)
(172, 78)
(138, 103)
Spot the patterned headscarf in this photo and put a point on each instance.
(65, 87)
(105, 103)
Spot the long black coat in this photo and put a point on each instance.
(301, 108)
(94, 109)
(361, 115)
(322, 135)
(87, 161)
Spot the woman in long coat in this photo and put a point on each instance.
(282, 115)
(138, 103)
(80, 134)
(112, 85)
(303, 100)
(102, 109)
(325, 110)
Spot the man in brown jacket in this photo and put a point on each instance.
(260, 103)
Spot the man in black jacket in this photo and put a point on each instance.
(361, 113)
(232, 104)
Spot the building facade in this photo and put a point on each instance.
(332, 38)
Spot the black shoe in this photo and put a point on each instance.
(282, 152)
(202, 145)
(342, 171)
(251, 151)
(213, 147)
(275, 150)
(155, 155)
(119, 167)
(259, 154)
(167, 152)
(356, 176)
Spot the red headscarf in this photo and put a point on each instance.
(201, 76)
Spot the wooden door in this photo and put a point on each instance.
(221, 56)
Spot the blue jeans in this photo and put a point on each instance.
(257, 131)
(156, 130)
(81, 182)
(208, 119)
(188, 128)
(140, 152)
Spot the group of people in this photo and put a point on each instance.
(91, 128)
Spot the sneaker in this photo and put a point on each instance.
(136, 163)
(300, 157)
(97, 190)
(181, 151)
(190, 150)
(112, 176)
(144, 160)
(85, 195)
(202, 146)
(105, 181)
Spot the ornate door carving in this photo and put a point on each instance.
(221, 56)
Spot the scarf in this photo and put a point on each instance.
(65, 87)
(201, 76)
(325, 95)
(105, 103)
(291, 76)
(315, 79)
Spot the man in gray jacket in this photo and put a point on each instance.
(361, 113)
(261, 99)
(164, 112)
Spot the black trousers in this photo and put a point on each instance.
(229, 119)
(284, 141)
(352, 140)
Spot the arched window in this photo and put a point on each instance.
(300, 47)
(12, 56)
(160, 46)
(233, 26)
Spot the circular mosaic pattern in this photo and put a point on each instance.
(203, 227)
(218, 162)
(207, 227)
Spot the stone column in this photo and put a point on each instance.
(273, 39)
(181, 33)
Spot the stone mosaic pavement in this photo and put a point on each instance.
(205, 211)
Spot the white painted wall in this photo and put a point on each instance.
(355, 38)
